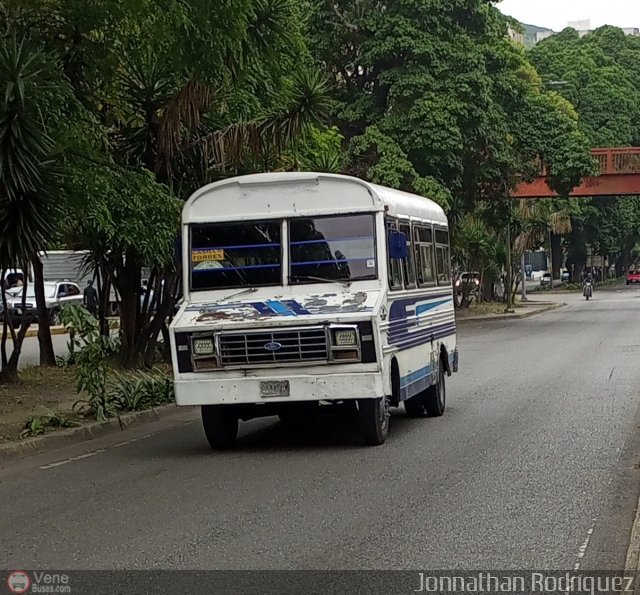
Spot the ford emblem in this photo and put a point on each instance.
(273, 346)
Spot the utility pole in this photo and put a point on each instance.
(524, 278)
(509, 272)
(550, 260)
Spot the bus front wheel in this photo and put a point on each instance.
(374, 420)
(220, 423)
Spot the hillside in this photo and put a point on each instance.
(530, 34)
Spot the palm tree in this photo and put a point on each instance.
(26, 183)
(539, 220)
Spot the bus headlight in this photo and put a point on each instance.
(345, 338)
(203, 347)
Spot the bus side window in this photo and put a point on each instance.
(443, 263)
(423, 241)
(408, 267)
(394, 265)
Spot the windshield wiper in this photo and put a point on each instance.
(248, 290)
(343, 282)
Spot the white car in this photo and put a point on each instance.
(57, 295)
(466, 278)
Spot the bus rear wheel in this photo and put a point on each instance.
(220, 423)
(414, 406)
(374, 417)
(435, 397)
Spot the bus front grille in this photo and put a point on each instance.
(273, 347)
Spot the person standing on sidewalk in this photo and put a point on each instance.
(91, 299)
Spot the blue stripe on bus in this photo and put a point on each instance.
(302, 263)
(242, 268)
(354, 239)
(280, 308)
(415, 376)
(237, 246)
(426, 307)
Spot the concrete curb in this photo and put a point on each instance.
(55, 330)
(515, 316)
(61, 330)
(91, 431)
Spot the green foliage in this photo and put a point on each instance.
(321, 151)
(603, 83)
(108, 391)
(91, 353)
(124, 210)
(436, 92)
(135, 391)
(36, 425)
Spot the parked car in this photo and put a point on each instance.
(545, 280)
(564, 276)
(467, 278)
(57, 295)
(633, 277)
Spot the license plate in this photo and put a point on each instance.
(274, 388)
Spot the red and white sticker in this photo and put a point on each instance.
(19, 582)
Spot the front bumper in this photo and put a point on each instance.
(206, 389)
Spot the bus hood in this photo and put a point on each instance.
(277, 310)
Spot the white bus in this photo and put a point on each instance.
(303, 289)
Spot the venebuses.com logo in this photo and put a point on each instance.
(38, 581)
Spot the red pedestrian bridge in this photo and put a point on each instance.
(619, 175)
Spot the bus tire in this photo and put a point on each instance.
(435, 397)
(374, 420)
(414, 407)
(220, 423)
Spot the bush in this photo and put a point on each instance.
(38, 424)
(135, 391)
(90, 352)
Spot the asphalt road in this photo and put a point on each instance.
(532, 467)
(30, 354)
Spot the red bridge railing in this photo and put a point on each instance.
(618, 161)
(618, 175)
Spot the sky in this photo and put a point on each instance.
(554, 14)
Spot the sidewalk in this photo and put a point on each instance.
(523, 310)
(61, 330)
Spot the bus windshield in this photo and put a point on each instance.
(336, 248)
(249, 254)
(225, 255)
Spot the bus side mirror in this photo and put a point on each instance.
(398, 245)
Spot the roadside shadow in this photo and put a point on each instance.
(327, 431)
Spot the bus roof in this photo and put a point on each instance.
(276, 195)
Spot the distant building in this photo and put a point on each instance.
(584, 28)
(540, 35)
(580, 25)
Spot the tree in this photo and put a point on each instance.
(603, 83)
(173, 95)
(30, 87)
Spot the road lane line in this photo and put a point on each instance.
(583, 548)
(72, 459)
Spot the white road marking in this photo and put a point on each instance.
(583, 548)
(70, 460)
(92, 453)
